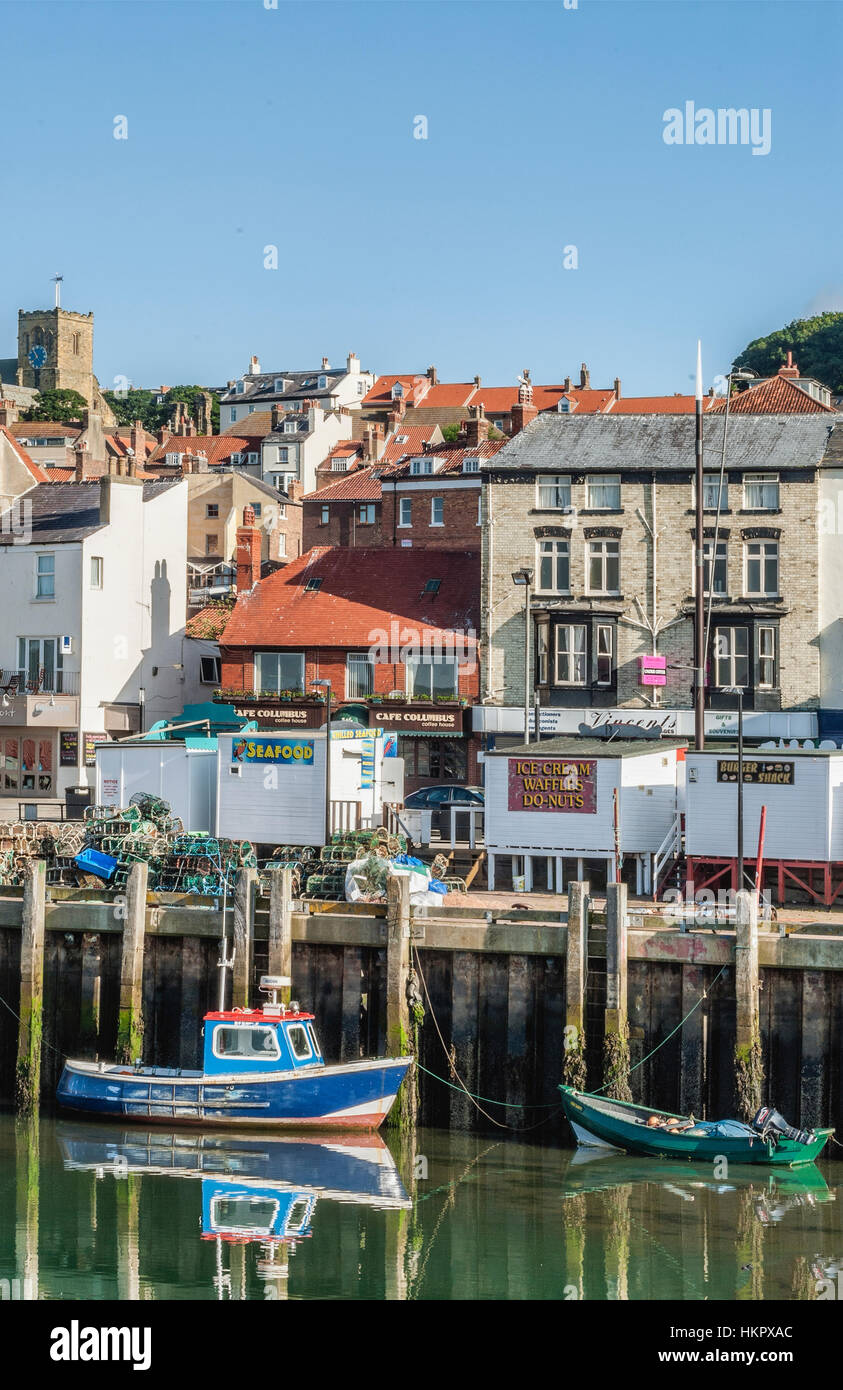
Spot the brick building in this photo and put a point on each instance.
(602, 511)
(394, 633)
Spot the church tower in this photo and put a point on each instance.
(56, 352)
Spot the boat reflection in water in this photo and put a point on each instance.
(254, 1188)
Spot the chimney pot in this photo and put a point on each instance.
(617, 388)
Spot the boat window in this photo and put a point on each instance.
(299, 1216)
(243, 1214)
(246, 1042)
(316, 1048)
(299, 1041)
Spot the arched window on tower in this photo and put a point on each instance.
(76, 345)
(38, 337)
(48, 341)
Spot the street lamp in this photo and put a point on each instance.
(738, 690)
(327, 687)
(524, 578)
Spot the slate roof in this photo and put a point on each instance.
(261, 386)
(559, 443)
(362, 591)
(63, 513)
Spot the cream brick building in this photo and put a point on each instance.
(601, 509)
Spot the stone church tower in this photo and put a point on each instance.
(56, 352)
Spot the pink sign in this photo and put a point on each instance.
(652, 670)
(553, 784)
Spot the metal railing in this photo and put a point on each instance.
(14, 681)
(670, 848)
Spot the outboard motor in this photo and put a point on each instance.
(770, 1125)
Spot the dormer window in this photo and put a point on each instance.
(338, 465)
(241, 387)
(173, 460)
(290, 426)
(398, 391)
(564, 406)
(471, 464)
(323, 383)
(421, 466)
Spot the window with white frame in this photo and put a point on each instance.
(471, 464)
(339, 465)
(603, 654)
(281, 511)
(97, 564)
(235, 457)
(761, 492)
(479, 509)
(359, 675)
(366, 514)
(232, 414)
(45, 576)
(323, 383)
(421, 466)
(553, 492)
(437, 511)
(713, 494)
(604, 567)
(275, 671)
(553, 566)
(254, 458)
(720, 568)
(209, 670)
(212, 509)
(405, 511)
(766, 657)
(432, 676)
(603, 492)
(240, 388)
(172, 460)
(762, 567)
(290, 426)
(326, 515)
(40, 663)
(731, 656)
(282, 544)
(570, 654)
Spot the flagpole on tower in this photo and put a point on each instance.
(57, 280)
(699, 568)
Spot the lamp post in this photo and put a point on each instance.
(738, 690)
(326, 685)
(524, 578)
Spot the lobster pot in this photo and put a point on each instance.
(182, 772)
(566, 807)
(271, 785)
(802, 790)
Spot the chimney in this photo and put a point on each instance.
(352, 362)
(80, 458)
(161, 436)
(432, 377)
(248, 552)
(585, 382)
(396, 414)
(326, 366)
(567, 383)
(132, 464)
(369, 444)
(277, 417)
(137, 440)
(789, 371)
(254, 366)
(521, 415)
(477, 382)
(295, 490)
(617, 388)
(190, 429)
(476, 428)
(8, 413)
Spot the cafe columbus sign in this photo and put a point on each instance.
(553, 784)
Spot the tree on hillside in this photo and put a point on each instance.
(816, 344)
(62, 405)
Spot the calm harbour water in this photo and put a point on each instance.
(90, 1211)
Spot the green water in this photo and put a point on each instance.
(90, 1211)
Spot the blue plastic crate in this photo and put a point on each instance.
(93, 861)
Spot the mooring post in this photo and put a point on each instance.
(27, 1189)
(616, 1036)
(130, 1021)
(400, 1027)
(244, 920)
(89, 1016)
(749, 1075)
(30, 1008)
(280, 960)
(576, 961)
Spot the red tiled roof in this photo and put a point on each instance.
(362, 485)
(347, 610)
(778, 396)
(412, 437)
(217, 448)
(37, 473)
(208, 623)
(381, 392)
(448, 458)
(447, 395)
(499, 400)
(29, 429)
(658, 405)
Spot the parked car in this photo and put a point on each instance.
(432, 798)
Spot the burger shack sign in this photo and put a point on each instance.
(553, 784)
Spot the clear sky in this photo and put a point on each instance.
(251, 127)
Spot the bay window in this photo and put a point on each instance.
(731, 656)
(570, 654)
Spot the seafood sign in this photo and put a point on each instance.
(553, 784)
(290, 750)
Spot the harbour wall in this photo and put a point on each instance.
(499, 992)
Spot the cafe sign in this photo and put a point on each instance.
(553, 784)
(413, 719)
(764, 772)
(281, 715)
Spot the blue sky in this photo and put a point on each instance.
(293, 127)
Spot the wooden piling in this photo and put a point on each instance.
(89, 1014)
(693, 1054)
(400, 1027)
(245, 891)
(576, 963)
(280, 960)
(30, 1008)
(130, 1020)
(616, 1027)
(27, 1189)
(749, 1073)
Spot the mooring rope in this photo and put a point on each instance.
(44, 1042)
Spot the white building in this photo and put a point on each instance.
(330, 387)
(92, 626)
(294, 449)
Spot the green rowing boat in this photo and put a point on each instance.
(616, 1124)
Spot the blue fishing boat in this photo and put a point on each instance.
(261, 1067)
